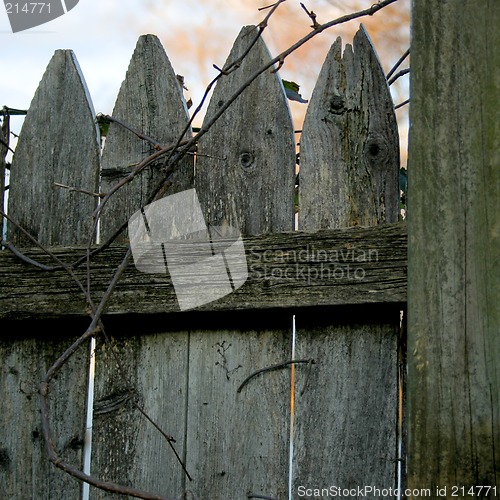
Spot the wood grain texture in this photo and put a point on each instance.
(127, 449)
(349, 145)
(454, 268)
(25, 472)
(286, 270)
(346, 437)
(147, 369)
(150, 100)
(348, 176)
(245, 173)
(238, 443)
(58, 143)
(55, 146)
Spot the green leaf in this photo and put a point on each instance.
(291, 85)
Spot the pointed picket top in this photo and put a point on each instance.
(58, 144)
(150, 100)
(245, 171)
(349, 158)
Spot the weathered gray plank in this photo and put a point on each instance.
(148, 369)
(348, 177)
(237, 444)
(126, 448)
(25, 472)
(454, 265)
(58, 144)
(150, 100)
(245, 172)
(345, 418)
(349, 146)
(286, 270)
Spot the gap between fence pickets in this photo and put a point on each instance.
(87, 449)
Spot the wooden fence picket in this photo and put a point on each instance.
(349, 148)
(237, 442)
(126, 448)
(349, 162)
(58, 144)
(255, 138)
(150, 100)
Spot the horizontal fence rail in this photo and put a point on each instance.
(286, 270)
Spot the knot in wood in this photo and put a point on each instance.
(337, 105)
(376, 150)
(246, 159)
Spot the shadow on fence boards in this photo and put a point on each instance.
(327, 295)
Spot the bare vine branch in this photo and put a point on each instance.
(311, 14)
(79, 190)
(399, 74)
(279, 366)
(144, 137)
(398, 64)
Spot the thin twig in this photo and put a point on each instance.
(5, 145)
(79, 190)
(142, 136)
(308, 374)
(401, 104)
(266, 7)
(279, 366)
(170, 440)
(28, 260)
(311, 15)
(399, 74)
(398, 64)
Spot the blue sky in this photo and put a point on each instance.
(103, 35)
(99, 32)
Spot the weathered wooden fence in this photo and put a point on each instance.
(341, 277)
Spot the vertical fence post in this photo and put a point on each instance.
(454, 242)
